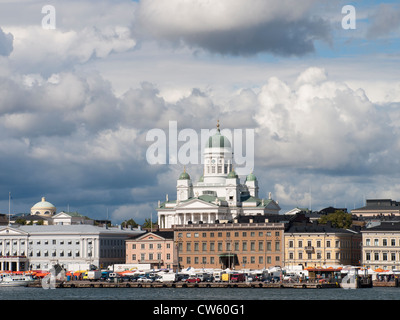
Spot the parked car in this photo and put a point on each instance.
(145, 279)
(193, 280)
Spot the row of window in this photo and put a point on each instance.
(150, 246)
(385, 242)
(384, 256)
(236, 234)
(227, 246)
(244, 261)
(150, 256)
(319, 255)
(338, 243)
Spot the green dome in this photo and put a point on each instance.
(232, 174)
(201, 179)
(251, 177)
(218, 141)
(184, 176)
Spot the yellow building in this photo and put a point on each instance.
(315, 245)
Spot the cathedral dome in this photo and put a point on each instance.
(218, 140)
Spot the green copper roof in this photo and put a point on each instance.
(184, 176)
(218, 141)
(232, 174)
(251, 177)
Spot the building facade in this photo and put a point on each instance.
(154, 248)
(376, 208)
(40, 247)
(230, 245)
(218, 195)
(316, 245)
(381, 246)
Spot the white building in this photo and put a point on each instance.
(218, 195)
(40, 247)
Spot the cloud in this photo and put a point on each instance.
(238, 27)
(6, 43)
(385, 21)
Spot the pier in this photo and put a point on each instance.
(104, 284)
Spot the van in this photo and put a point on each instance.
(238, 277)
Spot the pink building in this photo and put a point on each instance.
(154, 248)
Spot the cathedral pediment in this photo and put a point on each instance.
(197, 203)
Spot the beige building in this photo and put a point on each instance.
(315, 245)
(381, 246)
(230, 245)
(154, 248)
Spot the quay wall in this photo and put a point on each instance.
(103, 284)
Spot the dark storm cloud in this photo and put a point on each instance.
(221, 28)
(6, 43)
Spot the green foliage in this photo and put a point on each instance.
(339, 219)
(148, 224)
(129, 222)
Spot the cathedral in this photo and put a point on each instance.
(218, 196)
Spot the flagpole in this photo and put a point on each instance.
(9, 208)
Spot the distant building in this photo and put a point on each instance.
(376, 208)
(381, 245)
(315, 245)
(39, 247)
(154, 248)
(68, 218)
(43, 208)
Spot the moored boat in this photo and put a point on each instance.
(10, 280)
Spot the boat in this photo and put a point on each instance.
(11, 280)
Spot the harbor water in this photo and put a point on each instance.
(227, 294)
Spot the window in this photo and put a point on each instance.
(133, 246)
(188, 247)
(328, 244)
(134, 257)
(368, 256)
(252, 246)
(376, 242)
(393, 242)
(367, 242)
(300, 244)
(212, 246)
(384, 242)
(291, 244)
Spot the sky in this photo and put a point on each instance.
(83, 82)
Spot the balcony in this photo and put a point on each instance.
(309, 249)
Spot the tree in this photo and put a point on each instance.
(148, 224)
(340, 219)
(129, 222)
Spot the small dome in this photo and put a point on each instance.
(201, 179)
(184, 176)
(232, 175)
(251, 177)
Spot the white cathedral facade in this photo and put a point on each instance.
(218, 196)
